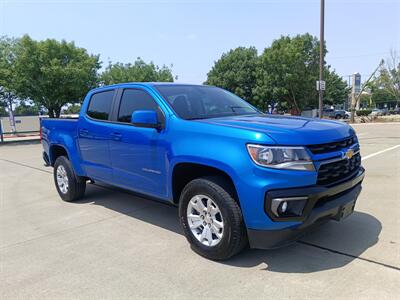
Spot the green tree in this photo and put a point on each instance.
(388, 80)
(3, 111)
(26, 109)
(236, 72)
(53, 73)
(366, 100)
(8, 75)
(337, 91)
(73, 109)
(288, 71)
(139, 71)
(382, 95)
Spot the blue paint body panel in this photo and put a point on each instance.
(143, 159)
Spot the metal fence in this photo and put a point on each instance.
(26, 128)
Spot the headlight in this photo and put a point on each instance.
(292, 158)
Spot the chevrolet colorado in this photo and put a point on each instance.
(239, 177)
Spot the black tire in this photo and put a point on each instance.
(234, 237)
(76, 185)
(338, 117)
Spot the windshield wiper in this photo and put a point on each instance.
(195, 118)
(234, 107)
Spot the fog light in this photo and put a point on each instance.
(288, 207)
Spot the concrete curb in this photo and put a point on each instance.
(24, 142)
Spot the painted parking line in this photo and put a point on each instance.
(362, 134)
(375, 123)
(380, 152)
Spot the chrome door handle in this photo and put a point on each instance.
(116, 136)
(83, 132)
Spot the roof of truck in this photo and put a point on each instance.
(152, 84)
(149, 84)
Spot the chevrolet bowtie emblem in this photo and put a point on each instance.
(349, 154)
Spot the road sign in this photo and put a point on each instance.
(356, 83)
(320, 84)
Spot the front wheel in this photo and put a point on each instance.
(212, 219)
(69, 186)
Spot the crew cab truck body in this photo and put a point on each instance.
(238, 176)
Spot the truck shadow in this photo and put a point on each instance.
(352, 236)
(318, 250)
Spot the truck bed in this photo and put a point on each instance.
(58, 131)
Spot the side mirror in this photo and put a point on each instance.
(145, 118)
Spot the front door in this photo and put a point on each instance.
(138, 154)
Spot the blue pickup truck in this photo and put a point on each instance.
(239, 177)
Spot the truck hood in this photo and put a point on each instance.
(287, 130)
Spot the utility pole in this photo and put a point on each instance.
(321, 57)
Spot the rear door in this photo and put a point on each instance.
(94, 134)
(138, 154)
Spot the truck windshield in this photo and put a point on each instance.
(192, 102)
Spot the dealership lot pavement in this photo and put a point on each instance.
(113, 244)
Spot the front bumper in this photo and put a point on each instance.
(324, 204)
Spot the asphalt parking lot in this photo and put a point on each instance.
(113, 244)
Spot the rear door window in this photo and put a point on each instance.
(100, 105)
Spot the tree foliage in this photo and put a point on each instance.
(284, 74)
(337, 91)
(382, 95)
(53, 73)
(288, 70)
(139, 71)
(236, 72)
(8, 74)
(73, 109)
(387, 84)
(26, 109)
(3, 111)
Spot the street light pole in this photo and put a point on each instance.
(321, 56)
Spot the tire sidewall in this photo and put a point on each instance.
(63, 161)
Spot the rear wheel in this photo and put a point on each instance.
(69, 186)
(212, 219)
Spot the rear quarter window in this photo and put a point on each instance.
(100, 105)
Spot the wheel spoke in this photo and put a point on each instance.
(194, 221)
(216, 231)
(208, 235)
(203, 234)
(218, 225)
(214, 211)
(209, 205)
(197, 204)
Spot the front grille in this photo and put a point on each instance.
(329, 147)
(336, 171)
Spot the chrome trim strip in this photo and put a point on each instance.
(324, 162)
(275, 202)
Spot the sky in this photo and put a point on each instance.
(192, 34)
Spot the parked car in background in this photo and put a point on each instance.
(238, 176)
(379, 112)
(334, 113)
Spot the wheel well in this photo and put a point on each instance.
(57, 151)
(185, 172)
